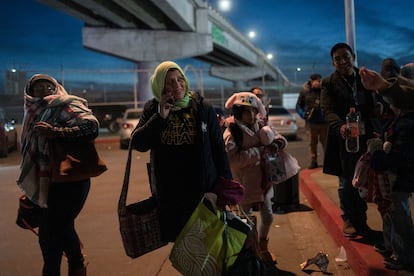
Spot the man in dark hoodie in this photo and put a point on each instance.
(309, 108)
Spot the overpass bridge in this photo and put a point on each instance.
(149, 31)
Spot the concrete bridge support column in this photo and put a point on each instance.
(145, 70)
(238, 85)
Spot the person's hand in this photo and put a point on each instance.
(266, 135)
(344, 131)
(374, 144)
(371, 79)
(166, 102)
(228, 191)
(387, 146)
(44, 129)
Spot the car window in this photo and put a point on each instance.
(278, 111)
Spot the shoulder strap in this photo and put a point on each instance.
(124, 191)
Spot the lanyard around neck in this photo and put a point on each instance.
(353, 87)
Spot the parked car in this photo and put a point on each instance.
(108, 115)
(128, 124)
(283, 121)
(8, 134)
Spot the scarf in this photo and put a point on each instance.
(158, 83)
(249, 130)
(35, 170)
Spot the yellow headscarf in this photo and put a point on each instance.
(158, 83)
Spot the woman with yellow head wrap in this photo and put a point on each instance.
(187, 149)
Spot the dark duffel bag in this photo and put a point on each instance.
(286, 194)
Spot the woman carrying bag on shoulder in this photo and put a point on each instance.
(187, 149)
(52, 115)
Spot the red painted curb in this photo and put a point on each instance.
(361, 257)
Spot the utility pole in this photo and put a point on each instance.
(350, 26)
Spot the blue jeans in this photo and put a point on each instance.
(387, 231)
(353, 207)
(402, 236)
(57, 234)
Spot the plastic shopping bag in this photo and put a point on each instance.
(206, 244)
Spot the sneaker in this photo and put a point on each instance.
(313, 165)
(380, 248)
(393, 263)
(348, 229)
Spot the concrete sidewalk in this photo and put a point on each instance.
(321, 192)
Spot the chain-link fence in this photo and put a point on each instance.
(118, 87)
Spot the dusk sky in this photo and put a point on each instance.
(299, 33)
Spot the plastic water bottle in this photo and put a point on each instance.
(352, 124)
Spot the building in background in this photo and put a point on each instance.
(15, 82)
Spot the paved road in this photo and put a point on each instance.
(295, 236)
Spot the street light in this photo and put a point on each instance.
(298, 69)
(269, 56)
(224, 5)
(252, 34)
